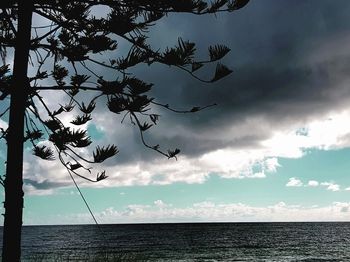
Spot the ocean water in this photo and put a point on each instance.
(189, 242)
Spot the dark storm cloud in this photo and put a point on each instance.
(44, 185)
(291, 64)
(281, 73)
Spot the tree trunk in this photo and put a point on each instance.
(11, 250)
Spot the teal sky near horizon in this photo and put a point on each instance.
(66, 206)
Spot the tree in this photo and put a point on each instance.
(64, 52)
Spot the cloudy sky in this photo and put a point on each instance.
(275, 148)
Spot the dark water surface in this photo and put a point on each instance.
(189, 242)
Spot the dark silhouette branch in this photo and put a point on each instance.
(38, 39)
(8, 19)
(193, 110)
(3, 113)
(154, 148)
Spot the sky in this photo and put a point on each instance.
(275, 148)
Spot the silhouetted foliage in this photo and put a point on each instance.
(65, 53)
(74, 37)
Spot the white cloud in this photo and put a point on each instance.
(313, 183)
(331, 186)
(258, 175)
(271, 164)
(294, 182)
(209, 211)
(159, 203)
(330, 132)
(333, 131)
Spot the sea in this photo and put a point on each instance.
(329, 241)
